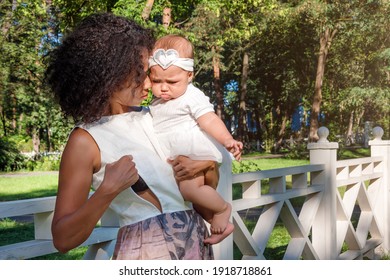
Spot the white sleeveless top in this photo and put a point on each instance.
(132, 134)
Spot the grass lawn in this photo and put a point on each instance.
(22, 186)
(12, 232)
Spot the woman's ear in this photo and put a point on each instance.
(190, 76)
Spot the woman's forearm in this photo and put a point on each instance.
(73, 229)
(185, 168)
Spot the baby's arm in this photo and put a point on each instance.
(215, 127)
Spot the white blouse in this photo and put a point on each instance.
(132, 134)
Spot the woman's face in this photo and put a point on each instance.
(128, 96)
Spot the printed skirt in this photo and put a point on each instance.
(170, 236)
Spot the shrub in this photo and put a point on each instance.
(10, 157)
(44, 162)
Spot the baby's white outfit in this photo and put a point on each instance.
(176, 128)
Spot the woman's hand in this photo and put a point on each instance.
(185, 168)
(120, 175)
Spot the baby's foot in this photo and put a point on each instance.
(221, 220)
(216, 238)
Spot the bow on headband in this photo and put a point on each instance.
(166, 58)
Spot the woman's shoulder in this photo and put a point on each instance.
(81, 137)
(81, 150)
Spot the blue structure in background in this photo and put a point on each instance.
(232, 86)
(297, 119)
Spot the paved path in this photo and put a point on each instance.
(26, 174)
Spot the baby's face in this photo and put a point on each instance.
(169, 83)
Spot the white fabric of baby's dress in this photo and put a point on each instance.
(176, 128)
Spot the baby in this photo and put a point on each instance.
(186, 124)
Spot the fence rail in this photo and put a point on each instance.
(100, 242)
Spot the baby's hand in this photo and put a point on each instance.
(235, 147)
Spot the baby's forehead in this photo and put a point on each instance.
(173, 69)
(180, 51)
(181, 45)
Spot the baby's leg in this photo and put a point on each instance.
(211, 176)
(214, 238)
(206, 199)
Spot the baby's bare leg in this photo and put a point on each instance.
(211, 176)
(207, 202)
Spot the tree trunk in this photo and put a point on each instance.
(166, 20)
(217, 84)
(350, 125)
(14, 110)
(242, 129)
(325, 43)
(7, 21)
(359, 118)
(3, 121)
(282, 119)
(259, 126)
(36, 141)
(49, 145)
(148, 8)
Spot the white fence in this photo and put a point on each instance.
(101, 241)
(331, 210)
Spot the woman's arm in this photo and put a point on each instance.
(185, 168)
(75, 214)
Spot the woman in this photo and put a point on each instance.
(98, 74)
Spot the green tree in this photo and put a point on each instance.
(27, 109)
(70, 12)
(357, 69)
(205, 30)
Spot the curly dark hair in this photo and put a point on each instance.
(94, 61)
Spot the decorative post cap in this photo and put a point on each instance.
(378, 133)
(323, 142)
(323, 134)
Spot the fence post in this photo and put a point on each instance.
(224, 249)
(324, 235)
(381, 148)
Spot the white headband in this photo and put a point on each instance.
(166, 58)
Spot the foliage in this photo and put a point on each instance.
(281, 39)
(181, 12)
(10, 157)
(245, 166)
(43, 163)
(297, 150)
(26, 107)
